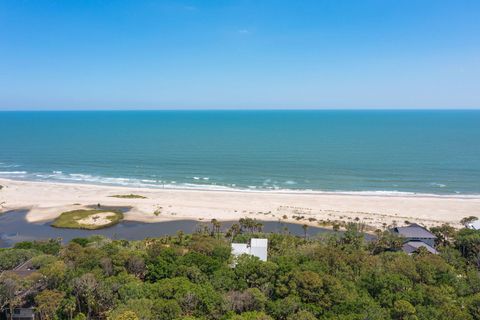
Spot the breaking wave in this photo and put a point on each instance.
(267, 186)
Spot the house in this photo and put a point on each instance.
(415, 237)
(413, 246)
(474, 225)
(256, 247)
(25, 269)
(27, 310)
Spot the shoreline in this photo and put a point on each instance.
(220, 188)
(47, 200)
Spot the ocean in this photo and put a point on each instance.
(371, 152)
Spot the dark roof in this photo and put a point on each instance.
(412, 246)
(414, 231)
(25, 269)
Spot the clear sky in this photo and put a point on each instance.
(120, 54)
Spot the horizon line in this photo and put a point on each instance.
(241, 109)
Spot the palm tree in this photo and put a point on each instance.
(69, 306)
(245, 224)
(250, 224)
(305, 227)
(215, 227)
(259, 226)
(180, 236)
(233, 231)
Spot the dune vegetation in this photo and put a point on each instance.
(128, 196)
(88, 219)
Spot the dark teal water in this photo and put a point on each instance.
(434, 152)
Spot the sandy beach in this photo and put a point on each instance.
(47, 200)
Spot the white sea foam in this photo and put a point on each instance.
(129, 182)
(378, 193)
(13, 172)
(201, 178)
(4, 165)
(195, 186)
(439, 185)
(150, 183)
(44, 176)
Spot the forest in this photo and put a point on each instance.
(194, 276)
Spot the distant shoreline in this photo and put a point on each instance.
(47, 200)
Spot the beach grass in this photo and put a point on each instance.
(87, 219)
(128, 196)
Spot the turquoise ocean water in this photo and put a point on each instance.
(391, 152)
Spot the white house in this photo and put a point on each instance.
(256, 247)
(475, 225)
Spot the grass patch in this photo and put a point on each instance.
(88, 219)
(128, 196)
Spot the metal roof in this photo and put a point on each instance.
(256, 247)
(256, 242)
(412, 246)
(22, 270)
(414, 231)
(475, 225)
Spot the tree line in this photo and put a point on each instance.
(191, 276)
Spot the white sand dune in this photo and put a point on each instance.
(47, 200)
(98, 219)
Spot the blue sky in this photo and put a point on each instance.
(239, 54)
